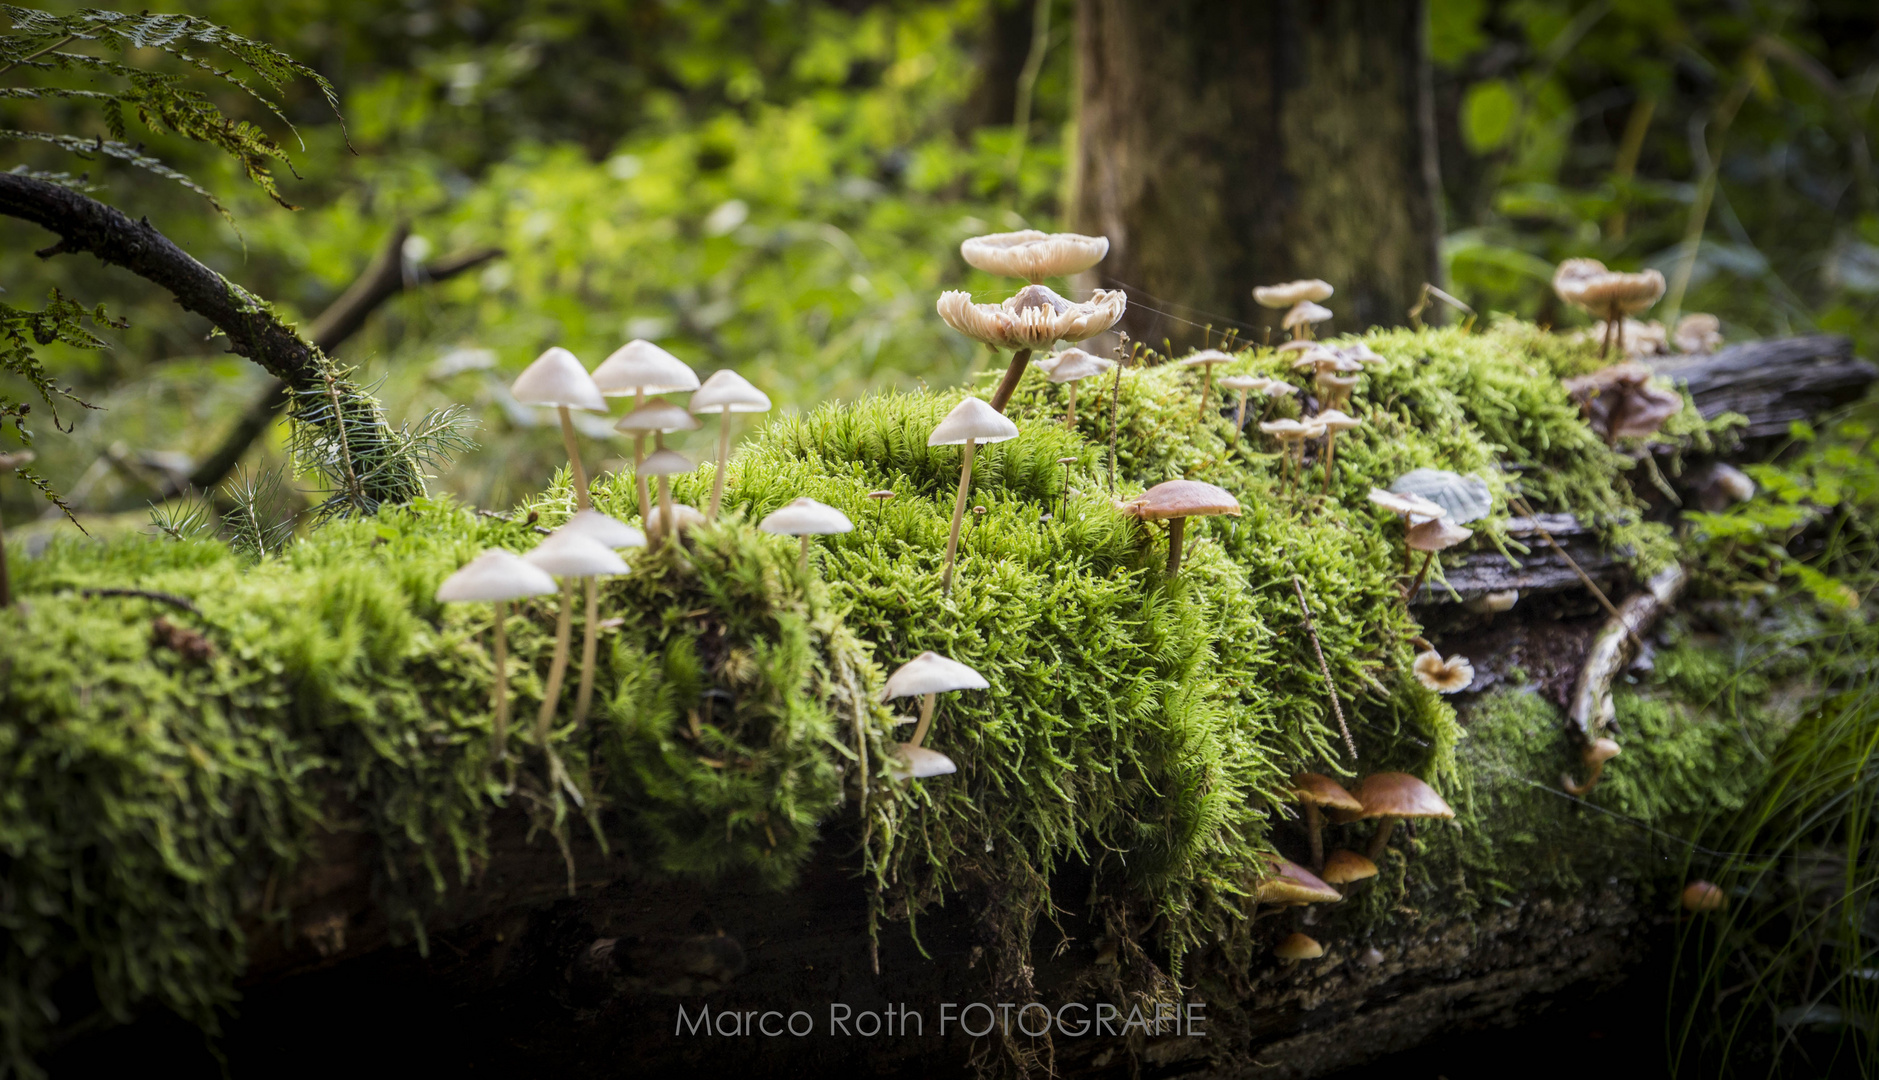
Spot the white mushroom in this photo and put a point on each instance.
(726, 392)
(641, 368)
(664, 463)
(557, 378)
(971, 422)
(1072, 366)
(611, 533)
(566, 555)
(499, 576)
(927, 676)
(806, 518)
(1034, 255)
(920, 763)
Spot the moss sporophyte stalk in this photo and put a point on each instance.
(1141, 724)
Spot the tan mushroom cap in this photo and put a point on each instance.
(1601, 751)
(1414, 506)
(1292, 292)
(806, 517)
(1279, 388)
(727, 390)
(1698, 332)
(1361, 352)
(666, 463)
(1291, 883)
(1244, 382)
(1034, 318)
(1398, 794)
(1034, 255)
(1570, 277)
(1620, 401)
(1444, 676)
(1622, 292)
(1183, 499)
(972, 419)
(1437, 535)
(1298, 346)
(656, 416)
(1703, 896)
(1337, 420)
(1072, 365)
(1298, 947)
(1343, 867)
(1206, 358)
(1286, 430)
(1319, 358)
(640, 367)
(1321, 790)
(1304, 312)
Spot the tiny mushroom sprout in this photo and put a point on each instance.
(1034, 255)
(806, 518)
(1290, 433)
(1393, 796)
(641, 368)
(654, 418)
(1174, 501)
(1703, 896)
(1444, 676)
(1410, 508)
(1245, 384)
(1292, 884)
(1073, 366)
(1300, 319)
(1315, 791)
(1207, 360)
(663, 464)
(497, 576)
(920, 763)
(1296, 947)
(567, 555)
(971, 422)
(1619, 401)
(1334, 421)
(1034, 318)
(1492, 604)
(926, 677)
(609, 532)
(724, 393)
(1597, 753)
(1346, 868)
(1430, 537)
(557, 378)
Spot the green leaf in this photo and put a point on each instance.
(1487, 115)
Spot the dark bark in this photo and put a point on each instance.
(1225, 145)
(1773, 383)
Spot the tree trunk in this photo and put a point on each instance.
(1224, 145)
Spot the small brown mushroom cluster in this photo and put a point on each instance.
(1607, 294)
(1620, 402)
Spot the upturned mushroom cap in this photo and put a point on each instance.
(495, 575)
(1622, 292)
(640, 367)
(1703, 896)
(557, 378)
(665, 463)
(1206, 358)
(1327, 380)
(1444, 676)
(1285, 430)
(726, 389)
(1033, 318)
(1437, 535)
(1291, 883)
(931, 673)
(1183, 499)
(806, 517)
(1337, 420)
(1570, 278)
(1343, 867)
(920, 763)
(1412, 506)
(1360, 352)
(1304, 312)
(1292, 292)
(1278, 388)
(1466, 498)
(1319, 358)
(656, 416)
(1398, 794)
(1072, 365)
(1321, 790)
(607, 531)
(1698, 332)
(1244, 382)
(1034, 255)
(1602, 750)
(1298, 947)
(1620, 401)
(972, 419)
(567, 554)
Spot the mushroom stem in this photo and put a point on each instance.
(581, 500)
(1427, 558)
(1206, 388)
(1008, 385)
(926, 719)
(1314, 828)
(1070, 414)
(665, 510)
(1330, 456)
(589, 645)
(802, 563)
(558, 667)
(639, 458)
(1382, 838)
(1177, 529)
(499, 732)
(1591, 781)
(1618, 319)
(1239, 418)
(959, 515)
(724, 453)
(1115, 410)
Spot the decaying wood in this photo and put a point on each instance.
(1591, 710)
(1773, 383)
(1542, 570)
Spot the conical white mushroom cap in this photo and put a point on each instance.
(806, 517)
(1305, 312)
(607, 531)
(640, 367)
(665, 463)
(726, 389)
(1207, 357)
(566, 554)
(495, 575)
(656, 416)
(1337, 420)
(1072, 365)
(557, 378)
(931, 673)
(972, 419)
(919, 763)
(1244, 382)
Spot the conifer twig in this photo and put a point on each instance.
(1324, 667)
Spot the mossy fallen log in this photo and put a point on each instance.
(301, 771)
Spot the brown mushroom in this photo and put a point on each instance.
(1174, 501)
(1314, 791)
(1297, 947)
(1703, 896)
(1429, 538)
(1393, 796)
(1347, 867)
(1292, 884)
(1620, 401)
(1450, 676)
(1597, 753)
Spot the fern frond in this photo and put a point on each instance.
(86, 148)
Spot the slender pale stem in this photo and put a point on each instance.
(639, 458)
(1177, 530)
(665, 510)
(590, 643)
(1381, 840)
(802, 563)
(499, 734)
(1008, 385)
(1314, 828)
(1070, 414)
(724, 455)
(1428, 557)
(1206, 388)
(558, 667)
(1330, 455)
(1239, 418)
(926, 719)
(6, 585)
(959, 515)
(574, 460)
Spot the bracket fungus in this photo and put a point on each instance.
(726, 392)
(1597, 753)
(1034, 255)
(1034, 318)
(643, 369)
(497, 576)
(806, 518)
(1444, 676)
(970, 423)
(1347, 868)
(557, 378)
(1292, 884)
(1620, 401)
(1393, 796)
(1070, 367)
(1245, 384)
(1206, 360)
(1174, 501)
(1296, 947)
(1315, 792)
(612, 533)
(927, 676)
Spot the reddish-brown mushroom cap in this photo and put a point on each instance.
(1702, 896)
(1293, 884)
(1183, 499)
(1321, 790)
(1398, 794)
(1298, 947)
